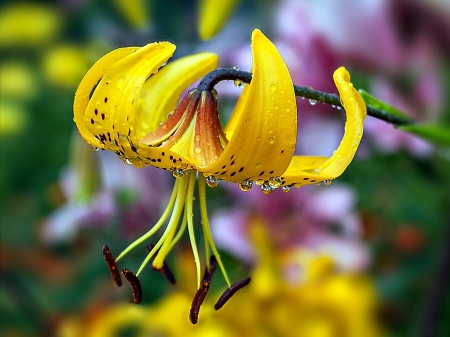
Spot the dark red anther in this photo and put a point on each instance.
(165, 270)
(198, 300)
(135, 285)
(230, 292)
(112, 266)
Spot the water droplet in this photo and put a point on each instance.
(211, 181)
(287, 188)
(235, 67)
(238, 83)
(127, 161)
(119, 83)
(162, 125)
(178, 173)
(272, 140)
(275, 107)
(274, 182)
(95, 148)
(246, 185)
(258, 164)
(197, 150)
(327, 182)
(312, 102)
(333, 106)
(266, 188)
(197, 138)
(318, 184)
(273, 87)
(338, 107)
(288, 109)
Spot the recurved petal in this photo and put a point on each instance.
(263, 126)
(86, 86)
(307, 170)
(213, 15)
(160, 94)
(111, 112)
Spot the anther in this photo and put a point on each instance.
(207, 276)
(230, 292)
(165, 270)
(112, 266)
(135, 285)
(198, 300)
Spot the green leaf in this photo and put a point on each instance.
(439, 134)
(380, 105)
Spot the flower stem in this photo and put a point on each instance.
(225, 74)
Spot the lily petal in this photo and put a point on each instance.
(85, 88)
(161, 93)
(263, 126)
(213, 15)
(307, 170)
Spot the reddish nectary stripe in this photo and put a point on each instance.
(135, 285)
(230, 292)
(165, 270)
(112, 266)
(198, 300)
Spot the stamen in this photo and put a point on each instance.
(209, 271)
(135, 283)
(205, 225)
(198, 300)
(189, 211)
(157, 226)
(112, 266)
(165, 270)
(230, 292)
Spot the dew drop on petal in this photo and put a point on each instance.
(246, 185)
(272, 140)
(287, 188)
(274, 182)
(327, 182)
(197, 150)
(212, 181)
(94, 148)
(266, 188)
(178, 173)
(119, 83)
(273, 87)
(128, 161)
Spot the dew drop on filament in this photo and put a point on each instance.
(312, 102)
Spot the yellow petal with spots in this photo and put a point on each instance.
(264, 123)
(160, 94)
(213, 15)
(85, 88)
(307, 170)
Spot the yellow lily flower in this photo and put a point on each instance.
(130, 113)
(213, 15)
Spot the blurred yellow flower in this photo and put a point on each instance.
(13, 118)
(65, 65)
(212, 16)
(17, 81)
(135, 12)
(28, 24)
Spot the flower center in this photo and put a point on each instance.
(193, 130)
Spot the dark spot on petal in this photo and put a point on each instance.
(232, 163)
(92, 121)
(241, 169)
(163, 154)
(103, 116)
(271, 172)
(261, 173)
(305, 178)
(232, 174)
(96, 111)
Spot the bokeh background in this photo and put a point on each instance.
(366, 256)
